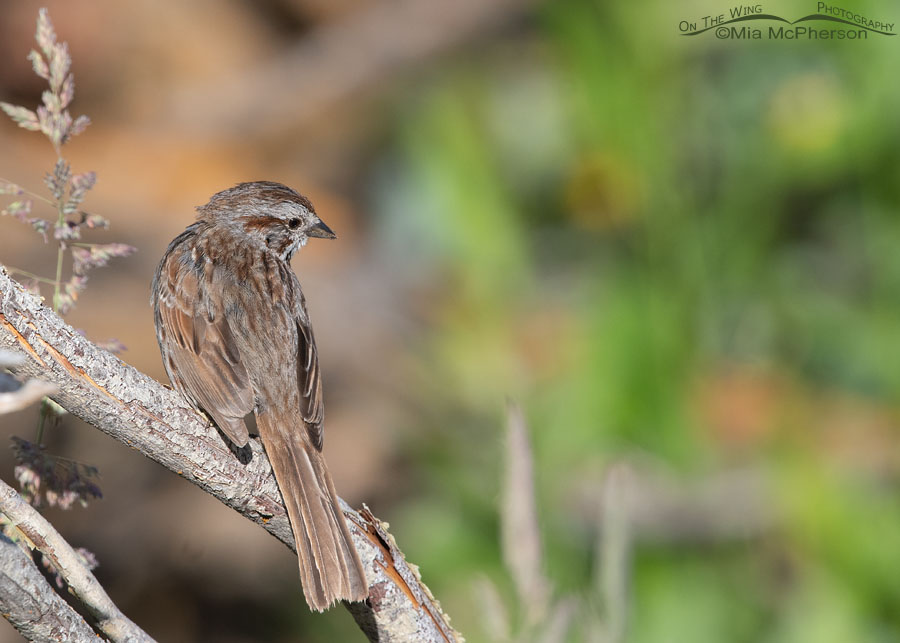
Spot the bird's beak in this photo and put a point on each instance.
(321, 231)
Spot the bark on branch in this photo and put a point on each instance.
(134, 409)
(31, 605)
(110, 620)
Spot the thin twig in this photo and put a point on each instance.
(30, 392)
(110, 620)
(16, 396)
(34, 195)
(58, 281)
(31, 605)
(30, 275)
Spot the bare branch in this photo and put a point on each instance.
(80, 580)
(31, 605)
(30, 392)
(129, 406)
(400, 606)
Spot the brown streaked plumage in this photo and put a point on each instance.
(235, 337)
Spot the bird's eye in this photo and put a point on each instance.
(294, 223)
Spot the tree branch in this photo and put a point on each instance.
(15, 396)
(127, 405)
(31, 605)
(81, 581)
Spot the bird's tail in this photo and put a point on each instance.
(330, 568)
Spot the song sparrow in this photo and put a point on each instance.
(235, 337)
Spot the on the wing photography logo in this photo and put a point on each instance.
(748, 22)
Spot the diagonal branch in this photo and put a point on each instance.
(80, 580)
(31, 605)
(136, 410)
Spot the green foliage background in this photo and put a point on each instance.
(620, 218)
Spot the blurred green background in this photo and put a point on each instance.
(676, 253)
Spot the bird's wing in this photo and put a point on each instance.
(200, 352)
(312, 406)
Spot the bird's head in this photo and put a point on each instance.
(269, 213)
